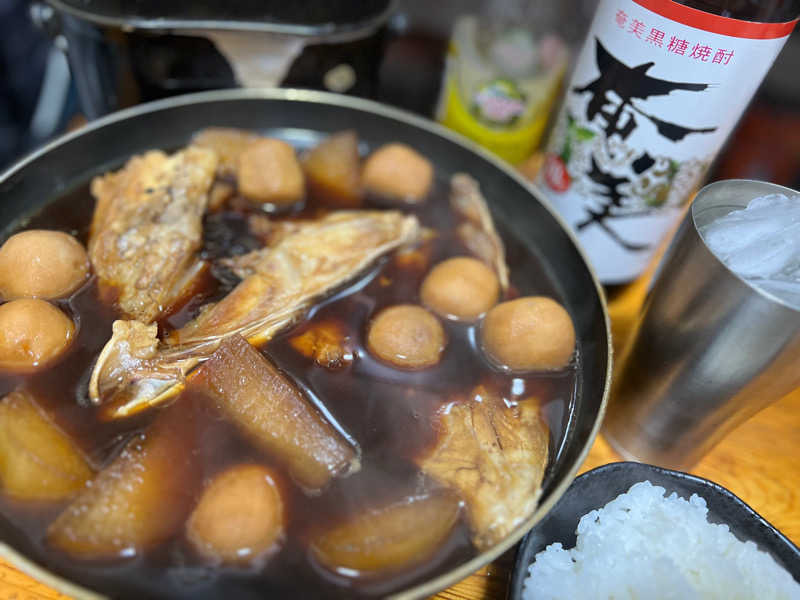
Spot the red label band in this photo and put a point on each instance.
(698, 19)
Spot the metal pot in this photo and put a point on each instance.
(125, 53)
(301, 116)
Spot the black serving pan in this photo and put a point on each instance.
(302, 117)
(599, 486)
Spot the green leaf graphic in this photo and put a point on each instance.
(566, 153)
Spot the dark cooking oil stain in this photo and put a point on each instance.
(389, 413)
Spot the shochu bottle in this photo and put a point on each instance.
(657, 89)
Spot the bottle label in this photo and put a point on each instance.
(499, 102)
(656, 90)
(500, 84)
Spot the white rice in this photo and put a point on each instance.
(645, 546)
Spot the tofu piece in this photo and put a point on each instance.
(269, 172)
(333, 168)
(38, 461)
(141, 499)
(389, 538)
(274, 414)
(398, 172)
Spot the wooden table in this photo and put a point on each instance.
(757, 462)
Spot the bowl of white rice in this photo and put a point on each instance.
(634, 531)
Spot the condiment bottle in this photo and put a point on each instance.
(500, 83)
(657, 89)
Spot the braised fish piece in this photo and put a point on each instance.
(134, 368)
(147, 227)
(494, 455)
(281, 280)
(142, 498)
(477, 232)
(220, 192)
(268, 408)
(135, 371)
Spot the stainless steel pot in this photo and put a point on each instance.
(125, 53)
(301, 116)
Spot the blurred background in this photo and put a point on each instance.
(65, 62)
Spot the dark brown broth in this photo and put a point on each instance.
(387, 412)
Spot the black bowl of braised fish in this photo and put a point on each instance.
(283, 342)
